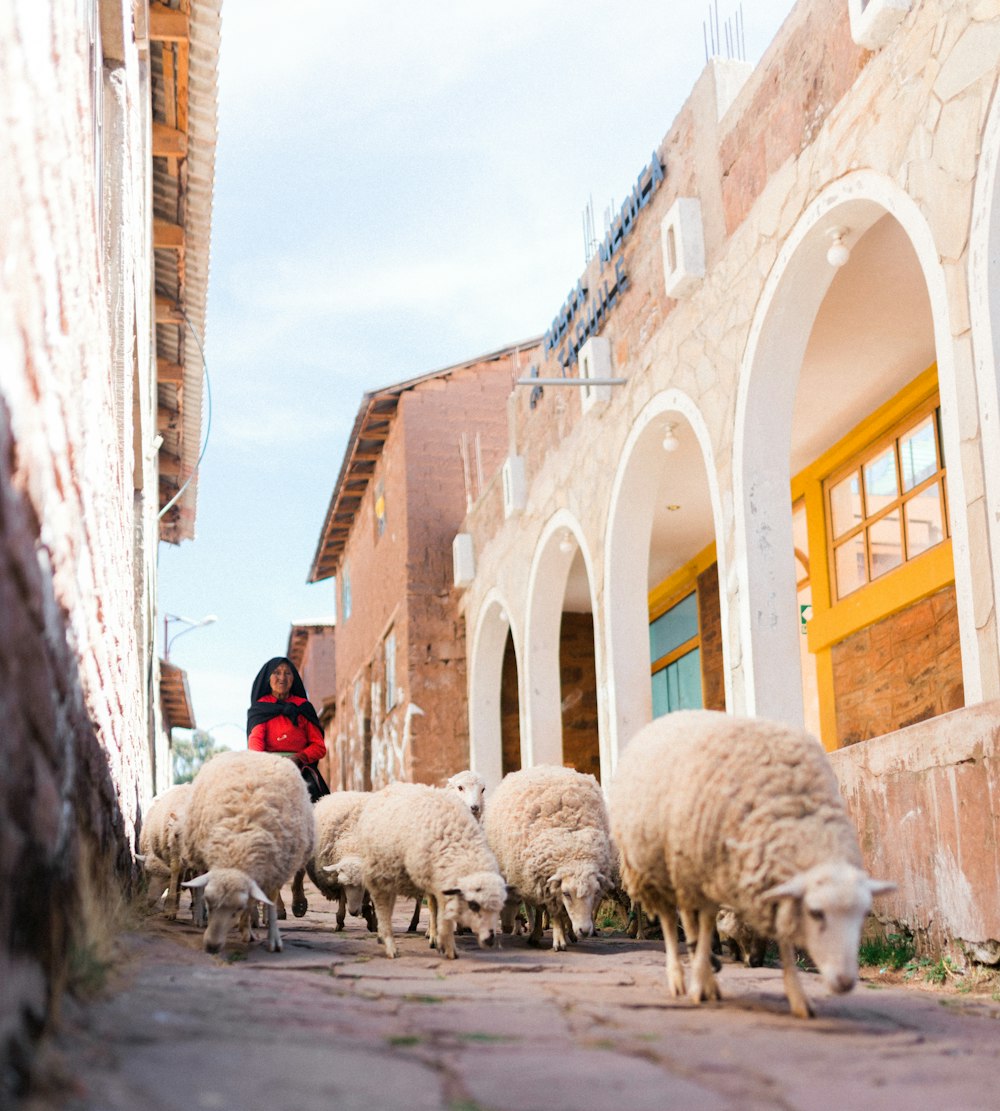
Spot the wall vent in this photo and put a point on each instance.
(515, 487)
(683, 244)
(595, 362)
(463, 559)
(874, 21)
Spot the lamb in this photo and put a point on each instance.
(413, 839)
(471, 789)
(335, 868)
(548, 827)
(160, 840)
(711, 810)
(250, 827)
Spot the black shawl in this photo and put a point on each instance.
(260, 712)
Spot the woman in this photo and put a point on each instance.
(282, 719)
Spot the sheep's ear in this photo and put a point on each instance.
(794, 888)
(452, 891)
(259, 895)
(333, 867)
(141, 857)
(880, 887)
(198, 881)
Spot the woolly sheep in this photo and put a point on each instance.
(335, 867)
(160, 845)
(250, 827)
(471, 789)
(711, 810)
(414, 839)
(548, 827)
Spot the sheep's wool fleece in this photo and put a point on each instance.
(163, 823)
(336, 819)
(545, 818)
(706, 807)
(414, 838)
(251, 811)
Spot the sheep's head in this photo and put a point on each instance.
(471, 790)
(822, 911)
(579, 890)
(347, 872)
(227, 894)
(476, 901)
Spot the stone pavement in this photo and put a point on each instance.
(330, 1023)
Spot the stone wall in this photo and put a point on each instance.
(899, 671)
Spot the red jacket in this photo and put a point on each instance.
(279, 735)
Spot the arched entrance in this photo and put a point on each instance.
(494, 696)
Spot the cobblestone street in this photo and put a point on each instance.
(330, 1023)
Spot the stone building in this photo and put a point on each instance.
(779, 494)
(106, 168)
(416, 459)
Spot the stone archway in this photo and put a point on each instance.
(493, 643)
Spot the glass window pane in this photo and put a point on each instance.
(924, 521)
(918, 453)
(661, 704)
(886, 543)
(677, 625)
(688, 680)
(880, 481)
(845, 505)
(850, 565)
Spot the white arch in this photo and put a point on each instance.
(541, 741)
(782, 324)
(626, 562)
(984, 304)
(485, 677)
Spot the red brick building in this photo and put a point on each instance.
(418, 456)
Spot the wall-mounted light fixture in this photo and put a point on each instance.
(565, 542)
(838, 253)
(503, 618)
(670, 441)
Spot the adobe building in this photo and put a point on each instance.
(312, 647)
(773, 486)
(106, 170)
(416, 459)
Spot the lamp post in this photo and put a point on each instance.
(173, 618)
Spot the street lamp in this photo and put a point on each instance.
(173, 618)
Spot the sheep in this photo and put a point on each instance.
(250, 827)
(471, 789)
(744, 944)
(160, 840)
(335, 867)
(548, 827)
(413, 839)
(711, 810)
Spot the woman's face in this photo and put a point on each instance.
(281, 681)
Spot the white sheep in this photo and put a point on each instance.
(160, 840)
(548, 827)
(471, 789)
(335, 867)
(250, 827)
(415, 839)
(710, 810)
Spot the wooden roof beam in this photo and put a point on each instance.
(168, 142)
(166, 234)
(168, 24)
(168, 373)
(168, 311)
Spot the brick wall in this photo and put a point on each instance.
(578, 675)
(900, 671)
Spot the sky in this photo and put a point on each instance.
(399, 187)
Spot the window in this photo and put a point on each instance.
(345, 592)
(390, 672)
(379, 508)
(888, 505)
(675, 658)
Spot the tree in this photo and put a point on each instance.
(191, 752)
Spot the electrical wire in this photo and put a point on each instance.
(208, 418)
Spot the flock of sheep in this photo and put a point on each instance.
(705, 812)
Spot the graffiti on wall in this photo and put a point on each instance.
(390, 745)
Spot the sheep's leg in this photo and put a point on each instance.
(246, 922)
(280, 906)
(174, 890)
(198, 916)
(675, 970)
(415, 920)
(433, 930)
(341, 909)
(535, 937)
(300, 904)
(384, 902)
(800, 1005)
(368, 913)
(445, 930)
(703, 983)
(273, 937)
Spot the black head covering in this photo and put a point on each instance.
(264, 711)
